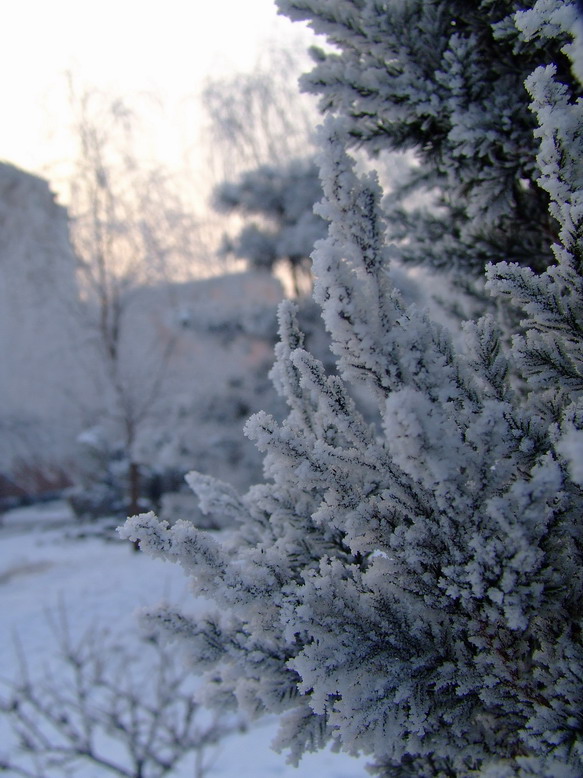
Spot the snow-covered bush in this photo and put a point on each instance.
(411, 589)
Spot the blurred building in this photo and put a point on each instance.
(193, 356)
(38, 375)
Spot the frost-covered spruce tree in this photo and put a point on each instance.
(413, 589)
(444, 78)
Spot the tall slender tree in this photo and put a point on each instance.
(130, 229)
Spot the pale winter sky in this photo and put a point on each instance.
(166, 47)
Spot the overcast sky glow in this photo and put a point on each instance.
(162, 46)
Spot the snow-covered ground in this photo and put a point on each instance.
(45, 565)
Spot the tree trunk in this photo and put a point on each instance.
(134, 494)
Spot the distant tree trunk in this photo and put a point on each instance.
(134, 494)
(295, 281)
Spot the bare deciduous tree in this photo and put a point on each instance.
(260, 117)
(131, 230)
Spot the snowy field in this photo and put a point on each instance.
(45, 566)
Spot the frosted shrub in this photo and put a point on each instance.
(108, 706)
(411, 589)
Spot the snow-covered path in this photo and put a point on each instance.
(44, 566)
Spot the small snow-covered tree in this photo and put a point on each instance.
(282, 198)
(261, 133)
(412, 589)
